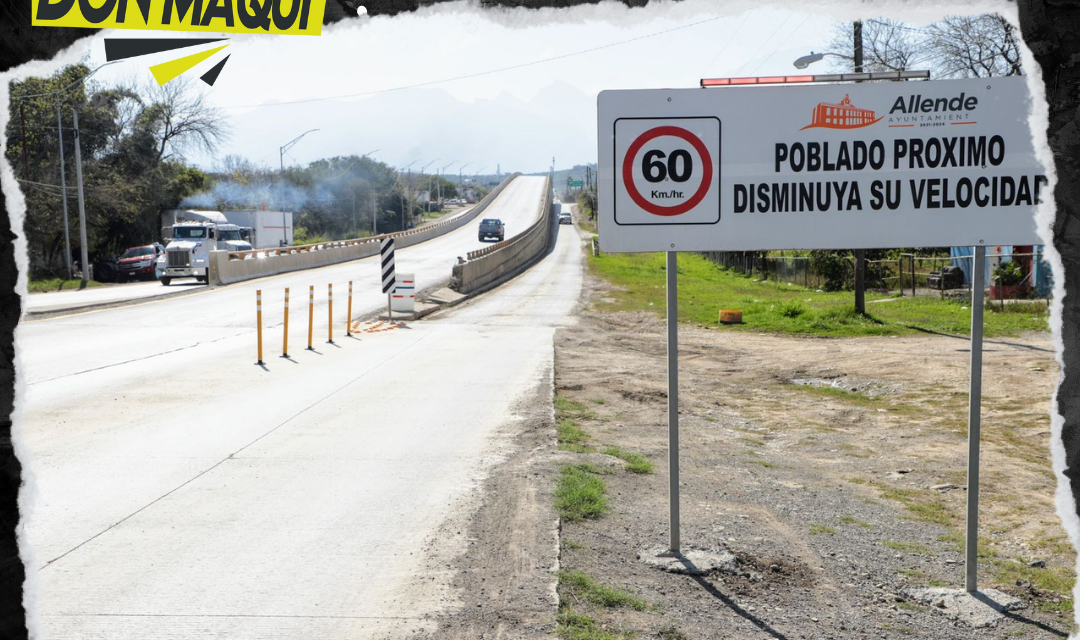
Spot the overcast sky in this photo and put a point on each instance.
(534, 97)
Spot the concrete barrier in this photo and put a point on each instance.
(491, 266)
(227, 267)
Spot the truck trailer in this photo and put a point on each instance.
(262, 229)
(268, 228)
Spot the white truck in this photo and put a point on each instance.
(193, 236)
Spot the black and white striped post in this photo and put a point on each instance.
(389, 280)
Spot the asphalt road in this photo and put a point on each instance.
(188, 493)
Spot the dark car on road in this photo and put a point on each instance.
(492, 228)
(138, 262)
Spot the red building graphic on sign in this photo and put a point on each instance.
(841, 116)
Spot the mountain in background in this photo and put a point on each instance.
(425, 124)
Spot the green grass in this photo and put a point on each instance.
(954, 540)
(922, 505)
(907, 546)
(581, 586)
(912, 606)
(671, 632)
(565, 408)
(818, 529)
(580, 494)
(1056, 580)
(571, 438)
(850, 519)
(635, 462)
(705, 288)
(56, 284)
(576, 626)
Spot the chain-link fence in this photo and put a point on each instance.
(908, 274)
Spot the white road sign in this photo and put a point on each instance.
(818, 166)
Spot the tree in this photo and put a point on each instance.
(132, 142)
(888, 45)
(980, 46)
(983, 46)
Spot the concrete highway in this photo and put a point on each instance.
(53, 302)
(58, 347)
(187, 493)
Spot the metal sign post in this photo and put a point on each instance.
(971, 546)
(673, 396)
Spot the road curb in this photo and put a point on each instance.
(68, 311)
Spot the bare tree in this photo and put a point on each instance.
(888, 45)
(241, 170)
(973, 47)
(181, 120)
(957, 47)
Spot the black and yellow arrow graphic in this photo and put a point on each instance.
(121, 48)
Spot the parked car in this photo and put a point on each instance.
(138, 262)
(492, 228)
(106, 269)
(564, 218)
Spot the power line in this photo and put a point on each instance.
(730, 40)
(782, 43)
(477, 74)
(764, 42)
(898, 25)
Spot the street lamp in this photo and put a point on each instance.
(438, 184)
(459, 170)
(281, 178)
(427, 204)
(406, 189)
(806, 61)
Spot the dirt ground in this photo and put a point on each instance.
(834, 470)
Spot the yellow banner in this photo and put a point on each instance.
(283, 17)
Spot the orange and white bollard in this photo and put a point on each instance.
(348, 321)
(285, 336)
(330, 313)
(258, 320)
(310, 315)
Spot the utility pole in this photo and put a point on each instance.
(82, 209)
(860, 254)
(374, 214)
(63, 188)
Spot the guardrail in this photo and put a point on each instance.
(227, 267)
(487, 267)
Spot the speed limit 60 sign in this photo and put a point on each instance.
(667, 171)
(818, 166)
